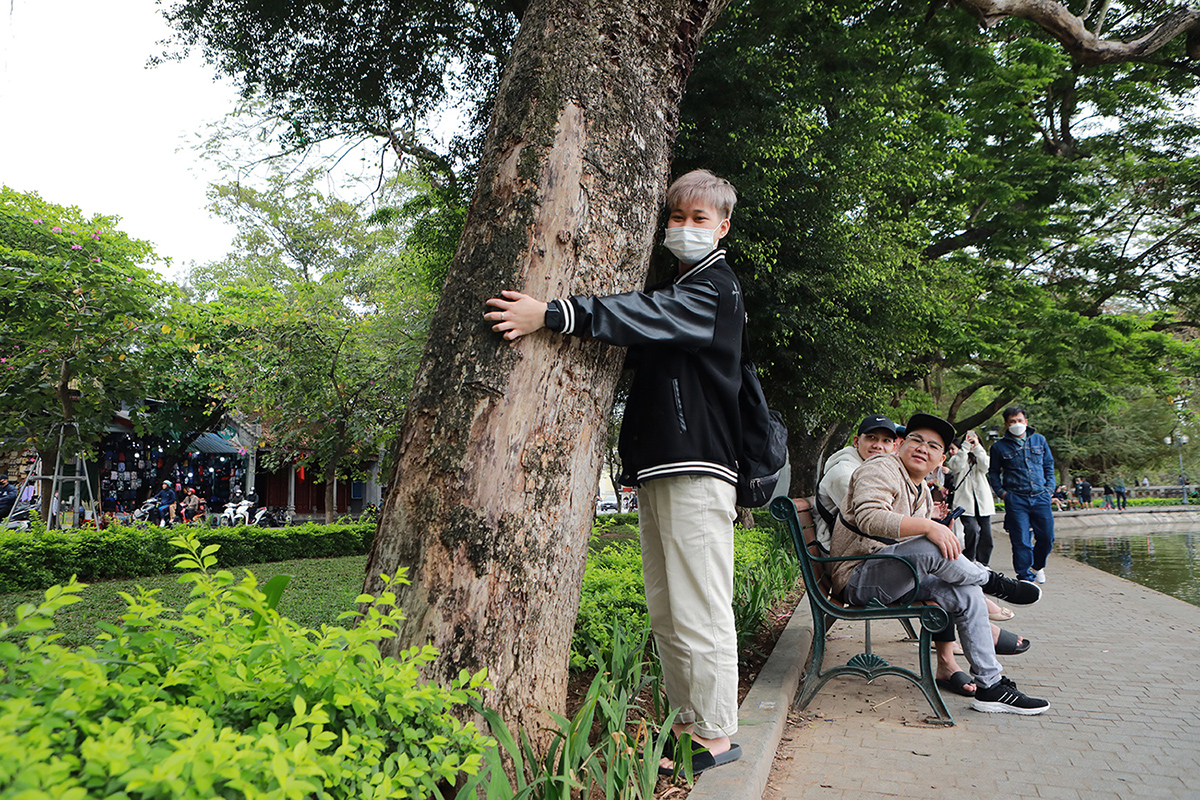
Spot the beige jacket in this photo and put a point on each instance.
(880, 495)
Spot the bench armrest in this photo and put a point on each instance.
(784, 510)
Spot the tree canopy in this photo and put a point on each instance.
(927, 205)
(322, 318)
(77, 310)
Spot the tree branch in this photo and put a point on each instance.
(1076, 39)
(986, 413)
(959, 242)
(964, 395)
(1179, 325)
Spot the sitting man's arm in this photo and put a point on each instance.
(875, 498)
(935, 532)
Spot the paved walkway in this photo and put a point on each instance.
(1120, 665)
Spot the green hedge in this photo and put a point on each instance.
(37, 559)
(226, 698)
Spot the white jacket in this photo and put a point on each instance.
(833, 487)
(972, 491)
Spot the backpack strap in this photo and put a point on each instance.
(854, 529)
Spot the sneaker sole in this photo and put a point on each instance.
(1005, 708)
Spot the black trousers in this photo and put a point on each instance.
(978, 535)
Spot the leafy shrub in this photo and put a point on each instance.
(37, 558)
(226, 699)
(609, 747)
(614, 594)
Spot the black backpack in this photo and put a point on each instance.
(764, 439)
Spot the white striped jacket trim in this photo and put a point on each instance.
(568, 312)
(707, 261)
(687, 468)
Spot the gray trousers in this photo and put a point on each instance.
(952, 584)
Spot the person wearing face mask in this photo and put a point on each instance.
(888, 509)
(680, 437)
(1022, 475)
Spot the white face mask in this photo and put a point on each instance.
(1017, 429)
(689, 244)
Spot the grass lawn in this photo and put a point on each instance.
(321, 588)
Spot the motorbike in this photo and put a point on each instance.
(270, 517)
(238, 511)
(148, 512)
(18, 518)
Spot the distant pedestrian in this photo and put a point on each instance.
(1022, 475)
(8, 496)
(1108, 496)
(1122, 496)
(1060, 499)
(969, 467)
(1085, 493)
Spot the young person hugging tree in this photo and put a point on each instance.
(679, 442)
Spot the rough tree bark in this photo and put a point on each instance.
(497, 462)
(805, 451)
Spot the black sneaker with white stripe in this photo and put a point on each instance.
(1005, 698)
(1013, 591)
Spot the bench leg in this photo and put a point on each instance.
(870, 666)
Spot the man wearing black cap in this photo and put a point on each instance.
(888, 509)
(876, 434)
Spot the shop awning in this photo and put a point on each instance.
(212, 443)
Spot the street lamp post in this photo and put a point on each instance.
(1180, 440)
(1180, 404)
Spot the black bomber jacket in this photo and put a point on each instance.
(685, 341)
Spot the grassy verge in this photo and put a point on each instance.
(320, 590)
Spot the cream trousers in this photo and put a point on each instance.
(686, 525)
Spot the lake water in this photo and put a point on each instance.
(1165, 561)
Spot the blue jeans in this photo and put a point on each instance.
(1030, 525)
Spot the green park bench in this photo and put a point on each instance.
(827, 606)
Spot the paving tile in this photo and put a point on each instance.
(1144, 743)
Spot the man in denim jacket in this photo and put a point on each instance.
(1022, 475)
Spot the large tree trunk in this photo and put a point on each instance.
(496, 466)
(805, 451)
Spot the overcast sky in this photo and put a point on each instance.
(84, 122)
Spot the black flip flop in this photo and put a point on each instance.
(703, 759)
(1009, 644)
(956, 683)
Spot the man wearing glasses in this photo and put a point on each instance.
(889, 509)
